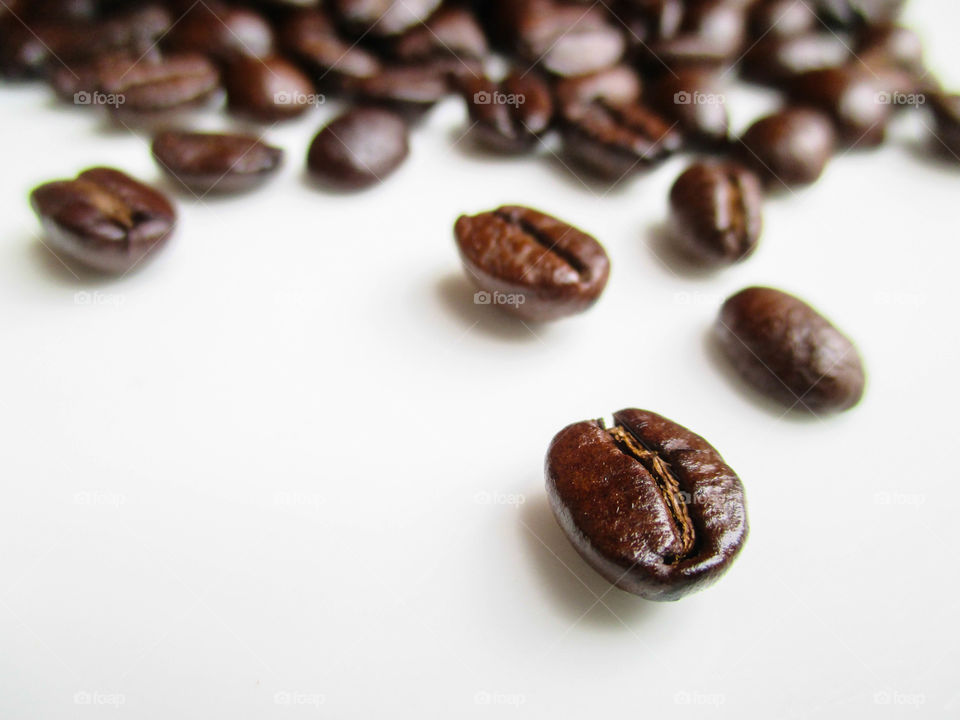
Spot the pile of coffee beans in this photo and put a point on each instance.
(620, 85)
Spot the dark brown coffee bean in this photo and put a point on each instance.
(311, 38)
(104, 219)
(858, 13)
(789, 352)
(359, 149)
(790, 148)
(782, 18)
(893, 46)
(268, 89)
(407, 89)
(853, 99)
(452, 32)
(613, 141)
(694, 99)
(711, 32)
(618, 85)
(384, 17)
(775, 60)
(530, 264)
(509, 116)
(650, 505)
(156, 86)
(222, 33)
(946, 113)
(568, 39)
(216, 162)
(716, 213)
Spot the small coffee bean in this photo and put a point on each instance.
(104, 219)
(650, 505)
(384, 17)
(716, 213)
(789, 352)
(215, 162)
(410, 90)
(694, 99)
(359, 149)
(946, 113)
(618, 85)
(892, 45)
(781, 18)
(790, 148)
(222, 33)
(268, 89)
(158, 85)
(853, 99)
(859, 13)
(775, 60)
(508, 117)
(711, 32)
(453, 31)
(530, 264)
(311, 38)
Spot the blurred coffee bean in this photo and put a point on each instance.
(216, 162)
(452, 32)
(892, 45)
(408, 89)
(310, 38)
(618, 85)
(775, 60)
(781, 18)
(711, 32)
(694, 99)
(854, 100)
(384, 17)
(223, 34)
(268, 89)
(509, 116)
(946, 113)
(858, 13)
(790, 148)
(358, 149)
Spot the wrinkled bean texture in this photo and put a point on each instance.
(216, 162)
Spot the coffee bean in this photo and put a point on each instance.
(268, 89)
(781, 18)
(711, 32)
(775, 60)
(853, 99)
(452, 32)
(789, 148)
(384, 17)
(222, 33)
(694, 99)
(311, 38)
(215, 162)
(789, 352)
(508, 117)
(618, 85)
(540, 267)
(892, 45)
(614, 140)
(650, 505)
(716, 213)
(410, 90)
(359, 149)
(859, 13)
(946, 113)
(104, 219)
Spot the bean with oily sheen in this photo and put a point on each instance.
(549, 269)
(613, 141)
(384, 17)
(781, 18)
(407, 89)
(221, 33)
(709, 32)
(359, 148)
(453, 31)
(859, 13)
(789, 148)
(775, 60)
(852, 97)
(789, 352)
(694, 99)
(104, 219)
(310, 37)
(650, 505)
(509, 116)
(216, 162)
(617, 85)
(267, 89)
(716, 212)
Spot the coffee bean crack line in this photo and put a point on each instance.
(547, 243)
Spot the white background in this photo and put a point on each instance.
(289, 469)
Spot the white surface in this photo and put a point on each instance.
(287, 455)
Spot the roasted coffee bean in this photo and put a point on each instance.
(452, 32)
(216, 162)
(618, 85)
(716, 213)
(694, 99)
(789, 352)
(268, 89)
(311, 38)
(711, 32)
(530, 264)
(775, 60)
(104, 219)
(614, 140)
(650, 505)
(359, 149)
(858, 13)
(946, 113)
(852, 98)
(892, 45)
(508, 117)
(790, 148)
(567, 39)
(410, 90)
(781, 18)
(222, 33)
(384, 17)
